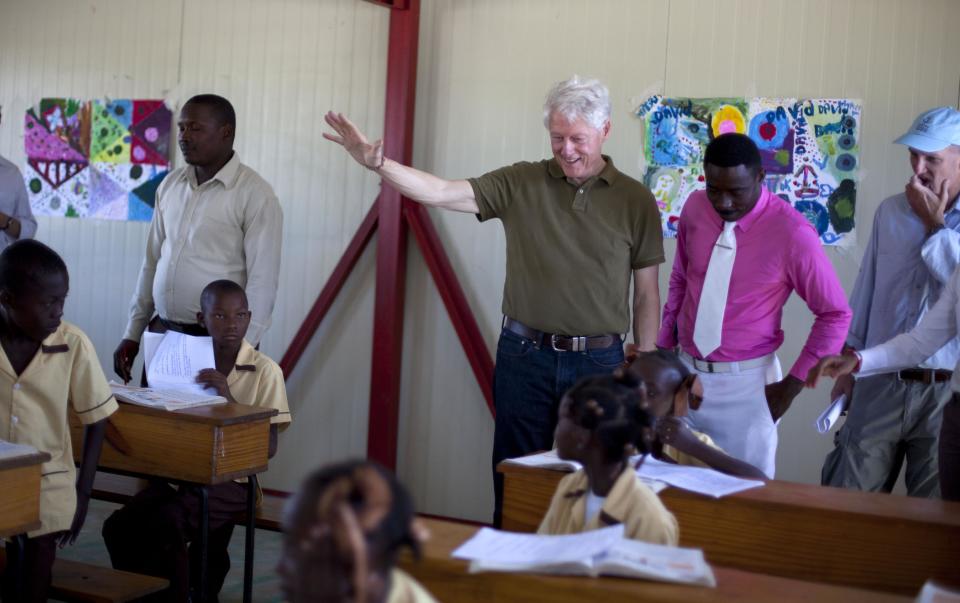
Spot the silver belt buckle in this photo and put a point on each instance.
(553, 343)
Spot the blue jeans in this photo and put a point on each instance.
(527, 386)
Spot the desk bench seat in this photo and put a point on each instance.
(120, 489)
(82, 582)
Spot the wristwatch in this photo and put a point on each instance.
(936, 229)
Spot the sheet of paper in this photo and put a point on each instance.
(11, 450)
(150, 342)
(547, 460)
(512, 548)
(695, 479)
(177, 360)
(933, 593)
(830, 414)
(550, 460)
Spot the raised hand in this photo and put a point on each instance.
(929, 205)
(367, 154)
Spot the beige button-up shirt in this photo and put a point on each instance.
(256, 380)
(64, 373)
(229, 227)
(629, 502)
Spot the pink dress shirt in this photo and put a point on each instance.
(778, 252)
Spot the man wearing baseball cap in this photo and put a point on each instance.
(907, 386)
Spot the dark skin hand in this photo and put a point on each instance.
(123, 358)
(674, 432)
(780, 395)
(92, 443)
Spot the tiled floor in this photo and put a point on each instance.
(89, 548)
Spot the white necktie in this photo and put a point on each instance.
(713, 298)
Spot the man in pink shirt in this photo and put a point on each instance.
(741, 251)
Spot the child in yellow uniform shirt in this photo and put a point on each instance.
(667, 389)
(602, 421)
(47, 366)
(342, 535)
(154, 532)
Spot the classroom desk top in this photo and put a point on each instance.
(20, 493)
(448, 580)
(203, 445)
(861, 539)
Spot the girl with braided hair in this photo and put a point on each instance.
(668, 388)
(603, 420)
(343, 532)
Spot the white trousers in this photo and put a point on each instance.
(735, 413)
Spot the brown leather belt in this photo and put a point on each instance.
(926, 376)
(560, 343)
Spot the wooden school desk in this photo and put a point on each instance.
(862, 539)
(20, 496)
(448, 580)
(20, 493)
(202, 446)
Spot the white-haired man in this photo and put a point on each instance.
(576, 230)
(905, 404)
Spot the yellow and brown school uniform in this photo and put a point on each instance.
(404, 589)
(256, 380)
(152, 533)
(630, 502)
(682, 458)
(64, 374)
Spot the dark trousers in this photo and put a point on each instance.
(158, 533)
(30, 560)
(949, 452)
(527, 386)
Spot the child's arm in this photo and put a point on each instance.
(671, 430)
(92, 443)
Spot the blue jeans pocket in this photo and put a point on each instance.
(512, 345)
(607, 358)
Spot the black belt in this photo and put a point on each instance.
(181, 327)
(926, 376)
(560, 343)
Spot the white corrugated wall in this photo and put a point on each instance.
(484, 67)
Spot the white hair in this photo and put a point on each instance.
(578, 98)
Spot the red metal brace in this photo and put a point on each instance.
(393, 214)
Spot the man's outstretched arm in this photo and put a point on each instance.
(428, 189)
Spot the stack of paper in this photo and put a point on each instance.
(591, 553)
(165, 399)
(695, 479)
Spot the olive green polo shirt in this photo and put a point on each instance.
(570, 249)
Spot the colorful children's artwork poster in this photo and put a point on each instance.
(96, 159)
(809, 149)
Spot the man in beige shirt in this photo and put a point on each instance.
(214, 219)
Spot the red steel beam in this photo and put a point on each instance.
(384, 418)
(330, 290)
(453, 298)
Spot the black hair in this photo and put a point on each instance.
(220, 287)
(670, 358)
(732, 149)
(222, 108)
(611, 407)
(387, 538)
(25, 262)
